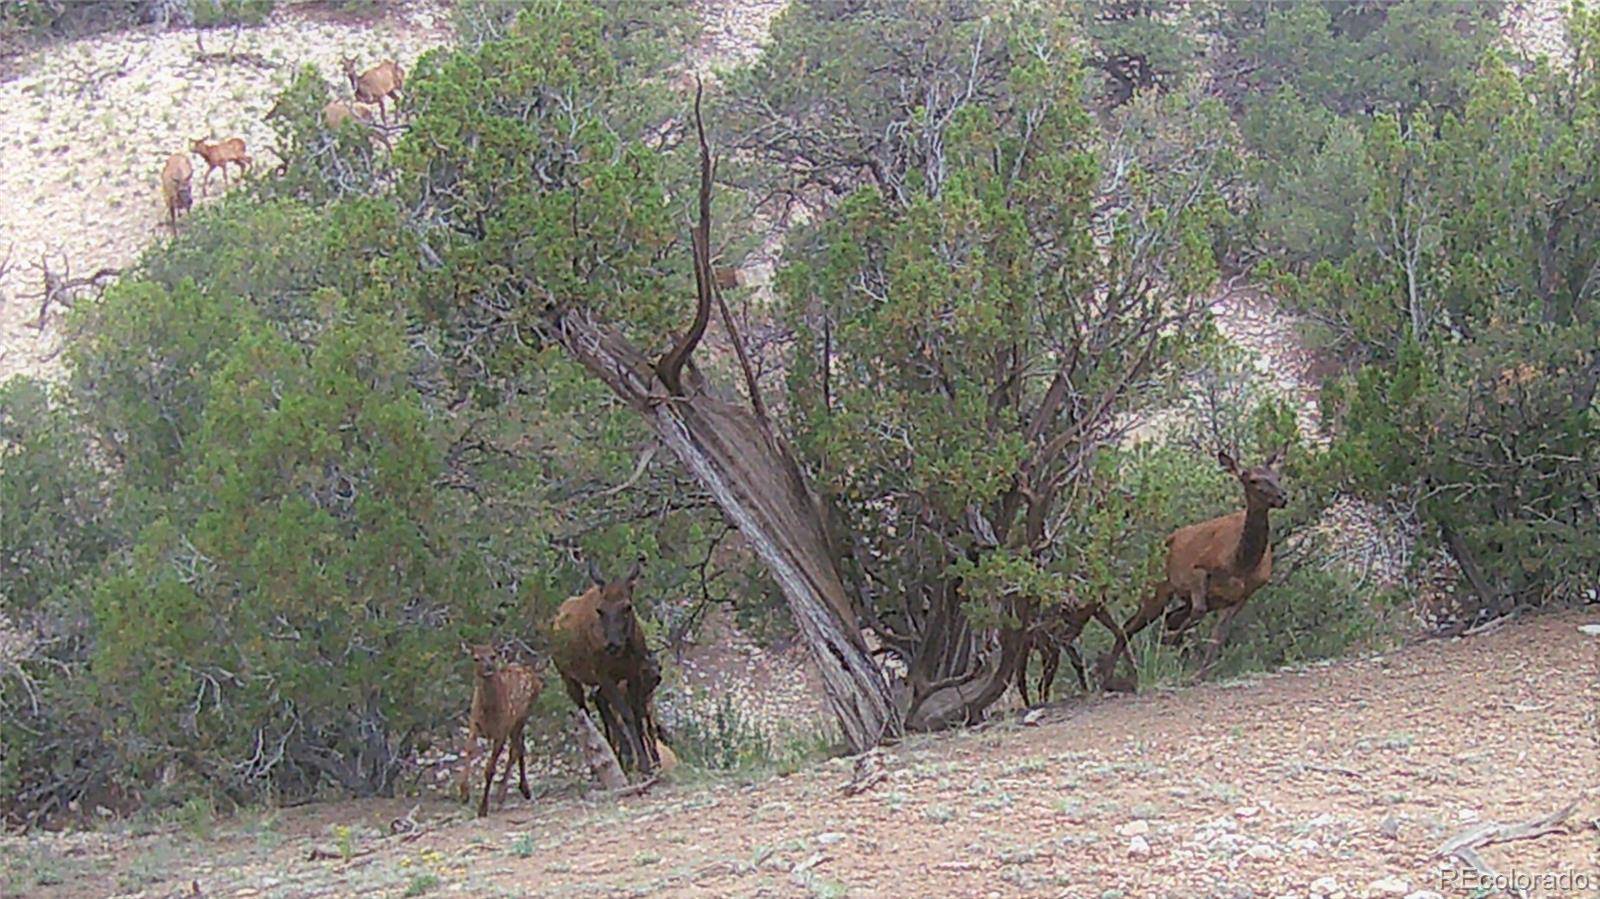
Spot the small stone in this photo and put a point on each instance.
(1136, 828)
(1262, 851)
(1139, 847)
(1388, 886)
(1324, 887)
(1424, 894)
(828, 839)
(1247, 811)
(1032, 718)
(1590, 630)
(1390, 827)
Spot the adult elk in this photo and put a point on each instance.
(1214, 565)
(175, 186)
(596, 642)
(375, 84)
(218, 155)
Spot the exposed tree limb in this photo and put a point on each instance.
(670, 368)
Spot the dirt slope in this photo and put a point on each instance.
(1340, 778)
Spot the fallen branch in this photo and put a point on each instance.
(60, 288)
(597, 754)
(326, 853)
(1489, 834)
(869, 772)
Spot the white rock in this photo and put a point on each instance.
(1247, 811)
(1424, 894)
(1139, 847)
(1324, 887)
(1388, 886)
(1591, 630)
(1135, 828)
(1262, 852)
(828, 839)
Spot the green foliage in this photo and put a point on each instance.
(220, 13)
(1473, 303)
(321, 163)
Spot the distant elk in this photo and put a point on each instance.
(337, 112)
(596, 642)
(218, 156)
(382, 81)
(1215, 565)
(175, 186)
(502, 700)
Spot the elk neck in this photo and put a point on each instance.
(1253, 539)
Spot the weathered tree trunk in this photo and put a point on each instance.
(760, 488)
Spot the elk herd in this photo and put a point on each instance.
(376, 85)
(599, 651)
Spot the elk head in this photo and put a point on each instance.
(1261, 484)
(615, 609)
(485, 661)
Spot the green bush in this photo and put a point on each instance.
(220, 13)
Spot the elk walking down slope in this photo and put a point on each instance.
(596, 642)
(502, 700)
(175, 186)
(218, 155)
(375, 84)
(1214, 565)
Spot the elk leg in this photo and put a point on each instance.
(505, 777)
(488, 775)
(639, 706)
(205, 183)
(1149, 611)
(627, 727)
(522, 763)
(1219, 633)
(1076, 659)
(469, 756)
(615, 735)
(574, 693)
(1049, 664)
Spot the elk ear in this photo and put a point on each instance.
(633, 573)
(595, 575)
(1228, 463)
(1276, 459)
(465, 648)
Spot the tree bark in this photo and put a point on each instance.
(759, 487)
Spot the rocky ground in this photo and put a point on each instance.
(1340, 780)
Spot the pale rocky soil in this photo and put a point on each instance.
(1336, 780)
(80, 167)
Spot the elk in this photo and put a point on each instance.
(596, 642)
(502, 700)
(175, 186)
(375, 84)
(218, 155)
(1056, 633)
(1214, 565)
(337, 112)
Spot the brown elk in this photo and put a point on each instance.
(502, 700)
(218, 155)
(175, 186)
(337, 112)
(375, 84)
(596, 642)
(1056, 633)
(1214, 565)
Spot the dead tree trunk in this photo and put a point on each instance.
(754, 478)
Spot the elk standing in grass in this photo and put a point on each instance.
(175, 186)
(502, 700)
(1214, 565)
(375, 84)
(596, 642)
(218, 155)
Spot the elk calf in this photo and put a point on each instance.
(175, 186)
(502, 700)
(375, 84)
(596, 642)
(218, 155)
(1214, 565)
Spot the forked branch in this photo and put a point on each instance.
(670, 368)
